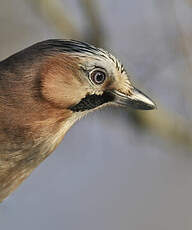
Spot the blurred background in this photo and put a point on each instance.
(116, 169)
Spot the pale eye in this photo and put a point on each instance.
(98, 77)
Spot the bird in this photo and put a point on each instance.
(44, 89)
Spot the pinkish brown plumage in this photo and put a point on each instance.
(44, 89)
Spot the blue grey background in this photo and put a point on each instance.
(108, 174)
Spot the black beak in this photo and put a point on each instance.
(137, 100)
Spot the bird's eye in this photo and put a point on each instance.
(98, 77)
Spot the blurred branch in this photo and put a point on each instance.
(168, 126)
(184, 41)
(53, 10)
(96, 32)
(189, 2)
(161, 122)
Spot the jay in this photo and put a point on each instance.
(44, 90)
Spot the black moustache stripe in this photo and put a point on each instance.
(92, 101)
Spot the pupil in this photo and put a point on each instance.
(99, 77)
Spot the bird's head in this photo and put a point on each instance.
(44, 89)
(81, 78)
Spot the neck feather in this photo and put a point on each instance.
(17, 165)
